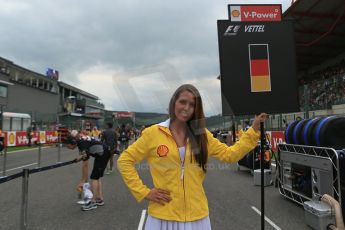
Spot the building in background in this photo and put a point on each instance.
(134, 119)
(47, 101)
(80, 109)
(25, 91)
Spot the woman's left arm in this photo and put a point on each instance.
(236, 152)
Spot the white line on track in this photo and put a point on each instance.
(268, 220)
(25, 150)
(7, 170)
(142, 219)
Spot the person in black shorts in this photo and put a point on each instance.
(91, 147)
(109, 141)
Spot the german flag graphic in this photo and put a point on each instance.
(259, 68)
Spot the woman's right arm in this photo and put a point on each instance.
(135, 153)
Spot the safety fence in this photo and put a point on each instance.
(4, 167)
(25, 180)
(275, 122)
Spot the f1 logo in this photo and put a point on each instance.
(232, 30)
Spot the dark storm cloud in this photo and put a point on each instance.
(73, 36)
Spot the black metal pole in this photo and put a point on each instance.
(24, 205)
(1, 116)
(262, 150)
(233, 130)
(4, 162)
(59, 152)
(39, 155)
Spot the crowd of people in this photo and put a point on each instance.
(123, 133)
(324, 88)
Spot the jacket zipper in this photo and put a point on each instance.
(184, 197)
(182, 176)
(183, 180)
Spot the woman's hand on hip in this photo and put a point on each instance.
(159, 196)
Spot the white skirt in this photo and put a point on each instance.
(153, 223)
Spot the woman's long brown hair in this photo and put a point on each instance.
(196, 126)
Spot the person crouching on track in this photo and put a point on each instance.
(85, 163)
(91, 147)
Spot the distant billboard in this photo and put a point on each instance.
(52, 74)
(254, 13)
(258, 67)
(123, 114)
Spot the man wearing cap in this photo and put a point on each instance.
(90, 147)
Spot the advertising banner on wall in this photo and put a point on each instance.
(275, 138)
(19, 138)
(250, 13)
(35, 137)
(51, 136)
(123, 114)
(42, 139)
(11, 138)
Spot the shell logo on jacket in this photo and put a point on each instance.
(162, 150)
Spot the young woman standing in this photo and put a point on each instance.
(177, 151)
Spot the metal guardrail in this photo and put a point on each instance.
(39, 157)
(57, 165)
(11, 177)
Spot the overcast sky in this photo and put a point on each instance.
(132, 54)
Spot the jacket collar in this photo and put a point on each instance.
(165, 124)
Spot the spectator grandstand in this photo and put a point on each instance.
(324, 88)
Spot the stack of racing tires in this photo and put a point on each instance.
(319, 131)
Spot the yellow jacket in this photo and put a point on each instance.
(157, 145)
(95, 133)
